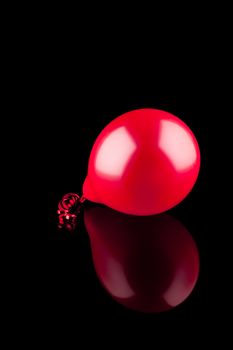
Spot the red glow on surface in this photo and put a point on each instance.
(149, 264)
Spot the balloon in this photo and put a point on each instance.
(142, 163)
(148, 264)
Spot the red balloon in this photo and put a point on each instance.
(144, 162)
(149, 264)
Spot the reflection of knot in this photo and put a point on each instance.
(69, 203)
(68, 209)
(67, 221)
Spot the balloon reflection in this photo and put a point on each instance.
(149, 264)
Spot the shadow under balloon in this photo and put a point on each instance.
(149, 264)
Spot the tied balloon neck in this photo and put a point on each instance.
(69, 208)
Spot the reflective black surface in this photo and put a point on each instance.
(148, 264)
(71, 288)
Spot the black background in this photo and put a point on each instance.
(84, 84)
(78, 118)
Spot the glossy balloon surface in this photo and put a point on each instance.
(148, 264)
(142, 163)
